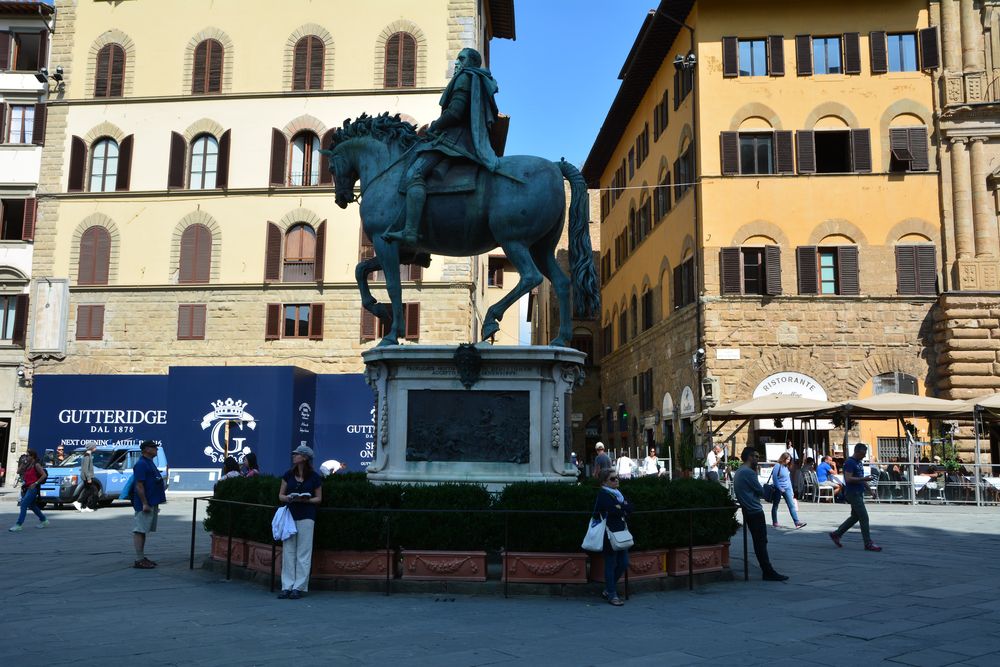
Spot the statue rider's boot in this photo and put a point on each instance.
(416, 195)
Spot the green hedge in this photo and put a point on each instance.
(477, 531)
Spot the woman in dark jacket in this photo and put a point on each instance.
(612, 504)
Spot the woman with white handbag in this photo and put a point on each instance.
(613, 509)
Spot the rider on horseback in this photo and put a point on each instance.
(468, 110)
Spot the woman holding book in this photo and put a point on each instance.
(302, 490)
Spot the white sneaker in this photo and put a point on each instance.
(86, 509)
(77, 505)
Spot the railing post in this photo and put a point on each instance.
(388, 552)
(229, 545)
(274, 557)
(504, 555)
(746, 555)
(690, 550)
(194, 522)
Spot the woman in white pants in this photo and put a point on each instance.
(302, 489)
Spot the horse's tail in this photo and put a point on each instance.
(586, 288)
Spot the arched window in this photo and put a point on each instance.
(307, 72)
(196, 254)
(305, 159)
(104, 165)
(300, 254)
(633, 316)
(204, 162)
(401, 61)
(110, 76)
(208, 62)
(95, 256)
(895, 382)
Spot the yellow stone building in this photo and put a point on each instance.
(769, 213)
(186, 215)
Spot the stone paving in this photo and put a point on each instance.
(931, 598)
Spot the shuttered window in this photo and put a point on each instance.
(372, 328)
(661, 205)
(828, 270)
(299, 321)
(195, 255)
(279, 148)
(852, 53)
(30, 50)
(109, 77)
(95, 256)
(300, 254)
(908, 149)
(209, 57)
(751, 270)
(204, 162)
(272, 253)
(104, 165)
(878, 48)
(89, 322)
(901, 52)
(647, 310)
(930, 53)
(623, 328)
(661, 117)
(304, 162)
(13, 318)
(307, 72)
(753, 57)
(916, 269)
(175, 168)
(191, 322)
(77, 164)
(401, 61)
(20, 124)
(776, 55)
(826, 52)
(803, 55)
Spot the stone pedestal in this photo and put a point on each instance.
(491, 415)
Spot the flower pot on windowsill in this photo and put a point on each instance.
(545, 568)
(707, 558)
(641, 565)
(330, 564)
(444, 565)
(259, 557)
(220, 544)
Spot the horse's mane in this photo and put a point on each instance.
(383, 127)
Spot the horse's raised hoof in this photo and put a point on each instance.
(382, 312)
(489, 330)
(387, 342)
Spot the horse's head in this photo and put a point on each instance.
(345, 175)
(382, 137)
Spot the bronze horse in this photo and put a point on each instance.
(522, 214)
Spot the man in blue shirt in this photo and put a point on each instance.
(825, 475)
(857, 486)
(148, 494)
(748, 492)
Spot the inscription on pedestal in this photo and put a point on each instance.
(473, 426)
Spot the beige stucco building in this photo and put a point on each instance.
(186, 215)
(770, 213)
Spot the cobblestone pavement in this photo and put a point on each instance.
(931, 598)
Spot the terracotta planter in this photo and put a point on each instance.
(641, 565)
(705, 559)
(259, 557)
(546, 568)
(239, 553)
(444, 565)
(725, 554)
(330, 564)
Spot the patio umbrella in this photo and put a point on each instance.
(905, 404)
(772, 405)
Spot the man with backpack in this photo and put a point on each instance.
(33, 475)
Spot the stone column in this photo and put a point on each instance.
(951, 35)
(972, 56)
(961, 189)
(982, 206)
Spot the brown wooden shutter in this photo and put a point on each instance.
(301, 64)
(20, 320)
(730, 142)
(272, 253)
(216, 57)
(784, 152)
(852, 53)
(317, 56)
(325, 174)
(89, 322)
(861, 150)
(200, 68)
(926, 269)
(184, 322)
(102, 255)
(316, 321)
(82, 322)
(5, 50)
(930, 55)
(43, 48)
(899, 144)
(730, 57)
(116, 77)
(198, 316)
(392, 61)
(919, 148)
(730, 264)
(805, 141)
(77, 164)
(677, 90)
(272, 325)
(367, 326)
(196, 255)
(178, 161)
(847, 270)
(38, 130)
(772, 270)
(103, 73)
(906, 269)
(678, 289)
(95, 256)
(776, 55)
(803, 55)
(222, 170)
(3, 122)
(319, 271)
(808, 269)
(408, 62)
(30, 216)
(416, 272)
(124, 176)
(879, 52)
(412, 316)
(279, 150)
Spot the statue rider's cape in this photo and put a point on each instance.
(483, 111)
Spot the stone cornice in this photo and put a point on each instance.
(276, 94)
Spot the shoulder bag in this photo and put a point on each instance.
(770, 491)
(594, 539)
(621, 539)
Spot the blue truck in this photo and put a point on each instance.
(112, 468)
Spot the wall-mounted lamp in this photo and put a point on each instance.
(687, 62)
(24, 373)
(43, 76)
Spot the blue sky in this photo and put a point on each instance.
(558, 79)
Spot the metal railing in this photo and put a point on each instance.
(386, 514)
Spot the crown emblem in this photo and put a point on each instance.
(228, 409)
